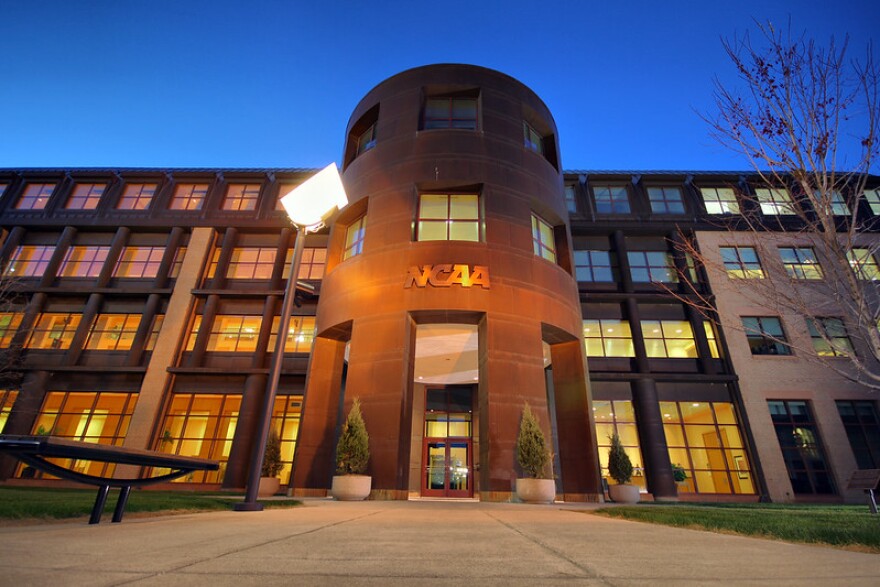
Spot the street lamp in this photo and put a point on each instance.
(308, 206)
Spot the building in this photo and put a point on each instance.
(469, 274)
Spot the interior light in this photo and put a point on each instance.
(696, 405)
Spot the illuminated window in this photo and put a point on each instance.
(9, 323)
(608, 338)
(709, 329)
(354, 238)
(672, 339)
(705, 444)
(101, 418)
(311, 265)
(139, 262)
(137, 196)
(443, 112)
(862, 426)
(3, 187)
(7, 398)
(285, 421)
(35, 196)
(300, 334)
(741, 262)
(617, 417)
(200, 425)
(595, 266)
(765, 335)
(113, 332)
(570, 199)
(189, 196)
(30, 261)
(543, 242)
(241, 196)
(666, 200)
(85, 196)
(800, 262)
(720, 200)
(533, 139)
(83, 261)
(611, 199)
(234, 334)
(873, 199)
(652, 267)
(775, 202)
(158, 320)
(246, 263)
(53, 331)
(366, 140)
(864, 264)
(829, 337)
(451, 217)
(801, 447)
(193, 333)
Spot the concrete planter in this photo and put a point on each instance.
(268, 486)
(351, 487)
(536, 490)
(624, 493)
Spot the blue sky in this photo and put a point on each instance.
(193, 83)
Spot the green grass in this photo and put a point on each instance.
(852, 527)
(42, 503)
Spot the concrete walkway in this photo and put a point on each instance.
(410, 543)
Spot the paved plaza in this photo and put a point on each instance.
(410, 543)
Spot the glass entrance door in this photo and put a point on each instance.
(448, 452)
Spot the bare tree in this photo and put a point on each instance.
(10, 319)
(805, 117)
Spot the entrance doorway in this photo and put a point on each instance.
(447, 448)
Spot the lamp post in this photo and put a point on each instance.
(307, 206)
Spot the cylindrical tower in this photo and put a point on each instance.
(457, 217)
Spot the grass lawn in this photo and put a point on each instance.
(847, 526)
(45, 503)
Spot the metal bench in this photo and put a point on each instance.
(34, 450)
(866, 480)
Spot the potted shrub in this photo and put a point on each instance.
(679, 473)
(621, 470)
(272, 465)
(352, 457)
(533, 458)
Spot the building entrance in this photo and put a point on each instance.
(447, 455)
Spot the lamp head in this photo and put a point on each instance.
(312, 202)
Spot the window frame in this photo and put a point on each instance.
(761, 334)
(615, 205)
(669, 266)
(88, 265)
(604, 328)
(450, 121)
(724, 206)
(355, 232)
(189, 197)
(665, 204)
(830, 337)
(150, 266)
(102, 330)
(805, 265)
(532, 139)
(241, 197)
(775, 202)
(85, 201)
(34, 265)
(137, 196)
(659, 335)
(35, 201)
(740, 268)
(863, 263)
(540, 228)
(423, 222)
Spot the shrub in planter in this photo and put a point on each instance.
(352, 457)
(272, 465)
(533, 456)
(621, 470)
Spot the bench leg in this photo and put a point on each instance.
(100, 501)
(121, 503)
